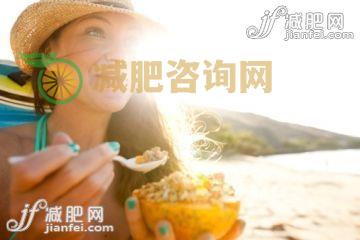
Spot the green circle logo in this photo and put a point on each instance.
(59, 80)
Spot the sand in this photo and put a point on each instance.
(281, 203)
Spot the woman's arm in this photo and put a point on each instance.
(81, 181)
(9, 145)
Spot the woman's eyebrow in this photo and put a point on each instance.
(96, 17)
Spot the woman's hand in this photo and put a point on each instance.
(63, 177)
(164, 231)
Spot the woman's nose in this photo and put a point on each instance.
(115, 53)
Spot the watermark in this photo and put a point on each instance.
(147, 76)
(298, 25)
(60, 80)
(60, 219)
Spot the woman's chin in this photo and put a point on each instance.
(109, 106)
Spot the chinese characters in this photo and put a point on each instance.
(183, 76)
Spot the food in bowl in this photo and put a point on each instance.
(193, 203)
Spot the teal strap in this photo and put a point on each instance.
(44, 133)
(41, 133)
(12, 237)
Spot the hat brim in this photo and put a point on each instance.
(40, 20)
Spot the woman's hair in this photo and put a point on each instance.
(137, 127)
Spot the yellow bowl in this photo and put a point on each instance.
(190, 220)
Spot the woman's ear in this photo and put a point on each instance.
(47, 49)
(51, 46)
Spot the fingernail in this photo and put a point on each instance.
(163, 229)
(74, 147)
(15, 159)
(131, 203)
(115, 146)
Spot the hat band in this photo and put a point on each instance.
(113, 4)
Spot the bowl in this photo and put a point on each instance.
(200, 211)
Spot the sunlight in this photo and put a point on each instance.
(303, 86)
(306, 79)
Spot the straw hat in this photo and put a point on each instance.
(39, 20)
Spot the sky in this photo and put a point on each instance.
(314, 82)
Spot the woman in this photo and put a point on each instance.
(88, 34)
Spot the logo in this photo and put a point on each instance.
(61, 219)
(19, 226)
(59, 80)
(267, 23)
(309, 25)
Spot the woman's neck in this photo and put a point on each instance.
(84, 125)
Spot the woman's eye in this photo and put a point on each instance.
(95, 32)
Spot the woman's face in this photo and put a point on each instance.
(97, 43)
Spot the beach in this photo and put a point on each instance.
(282, 200)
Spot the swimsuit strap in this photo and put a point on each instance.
(41, 133)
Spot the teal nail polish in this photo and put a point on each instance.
(74, 147)
(115, 146)
(131, 203)
(163, 229)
